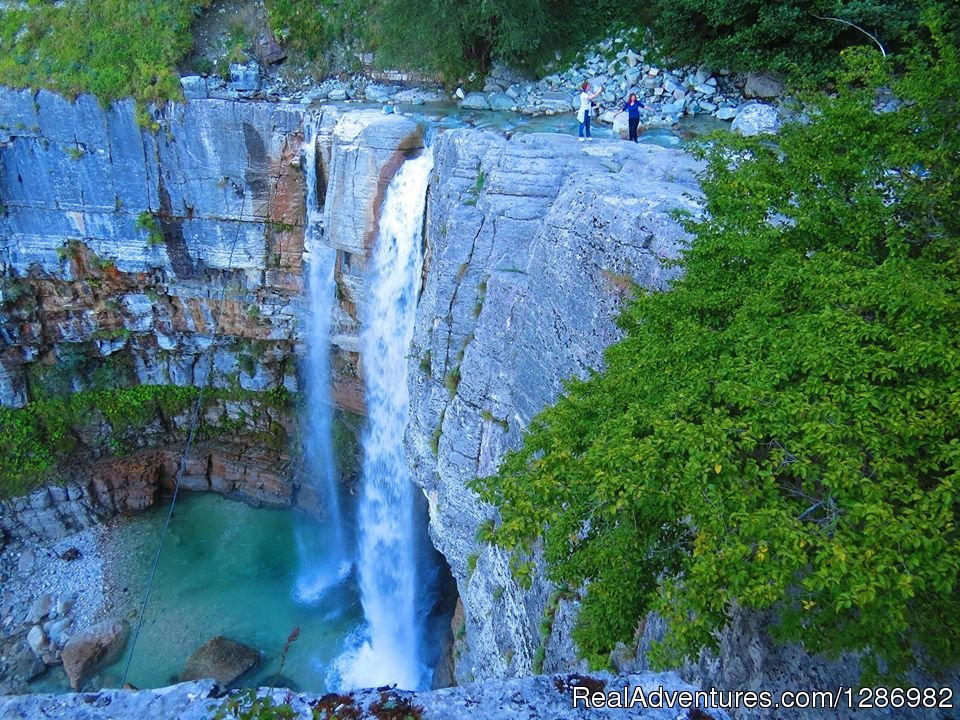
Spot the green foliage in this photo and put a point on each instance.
(310, 27)
(40, 435)
(110, 48)
(456, 39)
(250, 705)
(44, 434)
(779, 35)
(780, 430)
(452, 379)
(146, 221)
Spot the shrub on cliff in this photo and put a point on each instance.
(780, 430)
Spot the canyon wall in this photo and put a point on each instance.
(533, 244)
(116, 242)
(131, 255)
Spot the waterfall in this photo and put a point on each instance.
(324, 571)
(389, 652)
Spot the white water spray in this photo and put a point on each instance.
(332, 565)
(386, 562)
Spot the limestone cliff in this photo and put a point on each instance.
(114, 241)
(126, 254)
(533, 245)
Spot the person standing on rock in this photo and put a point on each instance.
(632, 109)
(583, 114)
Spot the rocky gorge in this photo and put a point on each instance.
(173, 255)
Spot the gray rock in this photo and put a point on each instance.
(28, 667)
(475, 101)
(222, 659)
(560, 100)
(244, 78)
(500, 101)
(339, 94)
(527, 698)
(25, 563)
(673, 108)
(725, 113)
(379, 93)
(762, 85)
(37, 640)
(545, 270)
(366, 148)
(194, 87)
(58, 632)
(90, 649)
(268, 50)
(757, 119)
(40, 608)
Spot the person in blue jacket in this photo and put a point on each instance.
(632, 109)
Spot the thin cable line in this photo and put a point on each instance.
(186, 449)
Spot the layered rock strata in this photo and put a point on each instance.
(533, 246)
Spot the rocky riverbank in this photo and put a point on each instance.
(668, 93)
(50, 592)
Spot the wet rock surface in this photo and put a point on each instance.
(222, 659)
(93, 648)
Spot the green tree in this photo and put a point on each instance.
(780, 430)
(782, 35)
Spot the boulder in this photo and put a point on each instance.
(92, 648)
(560, 100)
(40, 608)
(620, 128)
(475, 101)
(761, 85)
(25, 563)
(500, 101)
(222, 659)
(244, 78)
(27, 667)
(725, 113)
(37, 640)
(58, 632)
(379, 93)
(757, 119)
(268, 50)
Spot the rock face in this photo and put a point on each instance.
(533, 244)
(115, 240)
(92, 648)
(523, 699)
(761, 85)
(359, 157)
(222, 659)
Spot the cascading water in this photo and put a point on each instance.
(332, 564)
(389, 652)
